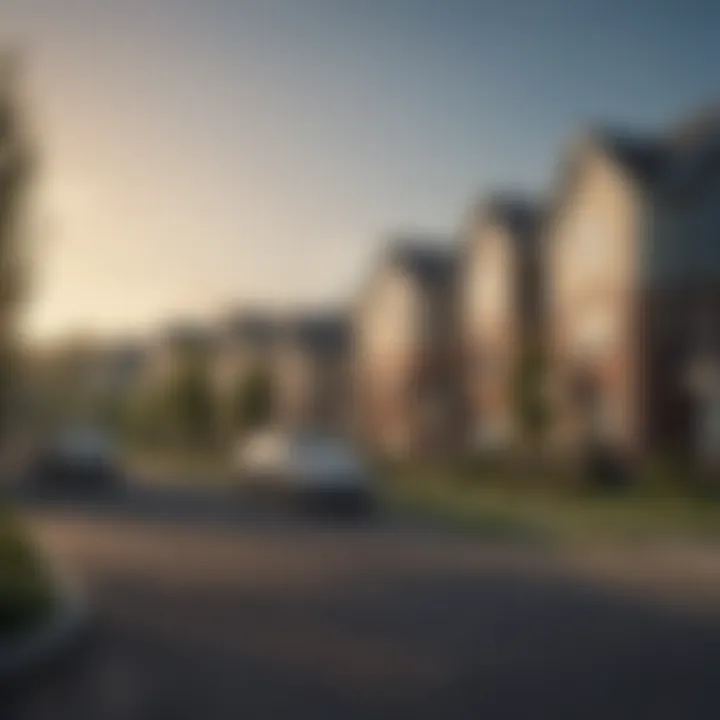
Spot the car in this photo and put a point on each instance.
(321, 473)
(77, 458)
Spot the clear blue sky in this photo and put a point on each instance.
(196, 152)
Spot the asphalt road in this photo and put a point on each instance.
(208, 611)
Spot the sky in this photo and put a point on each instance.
(199, 155)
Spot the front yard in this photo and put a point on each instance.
(523, 511)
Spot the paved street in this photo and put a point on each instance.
(219, 614)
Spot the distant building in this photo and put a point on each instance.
(633, 278)
(499, 302)
(405, 354)
(312, 373)
(80, 380)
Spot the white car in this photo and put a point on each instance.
(321, 471)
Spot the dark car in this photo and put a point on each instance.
(81, 459)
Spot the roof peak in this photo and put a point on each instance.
(699, 126)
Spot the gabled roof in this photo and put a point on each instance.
(701, 128)
(674, 161)
(643, 157)
(429, 260)
(318, 332)
(520, 214)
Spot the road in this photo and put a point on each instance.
(203, 612)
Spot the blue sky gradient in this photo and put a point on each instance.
(206, 152)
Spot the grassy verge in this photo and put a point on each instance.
(25, 585)
(176, 469)
(515, 510)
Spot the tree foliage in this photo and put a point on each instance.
(191, 406)
(253, 400)
(178, 414)
(530, 407)
(15, 166)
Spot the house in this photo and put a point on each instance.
(405, 351)
(633, 282)
(311, 373)
(499, 303)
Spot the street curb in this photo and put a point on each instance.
(57, 635)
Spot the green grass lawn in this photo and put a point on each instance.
(512, 510)
(25, 586)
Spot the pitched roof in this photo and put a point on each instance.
(322, 332)
(521, 214)
(672, 161)
(644, 157)
(703, 127)
(429, 260)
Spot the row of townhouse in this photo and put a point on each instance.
(440, 329)
(305, 356)
(615, 281)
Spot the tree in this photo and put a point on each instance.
(142, 418)
(253, 400)
(188, 408)
(15, 167)
(530, 406)
(25, 592)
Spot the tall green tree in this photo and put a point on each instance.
(530, 406)
(253, 400)
(188, 406)
(25, 594)
(15, 171)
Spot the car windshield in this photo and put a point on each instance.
(323, 450)
(84, 442)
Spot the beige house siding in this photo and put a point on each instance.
(404, 369)
(492, 334)
(500, 306)
(389, 338)
(593, 246)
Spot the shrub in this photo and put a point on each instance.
(25, 589)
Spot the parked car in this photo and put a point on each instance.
(79, 458)
(322, 473)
